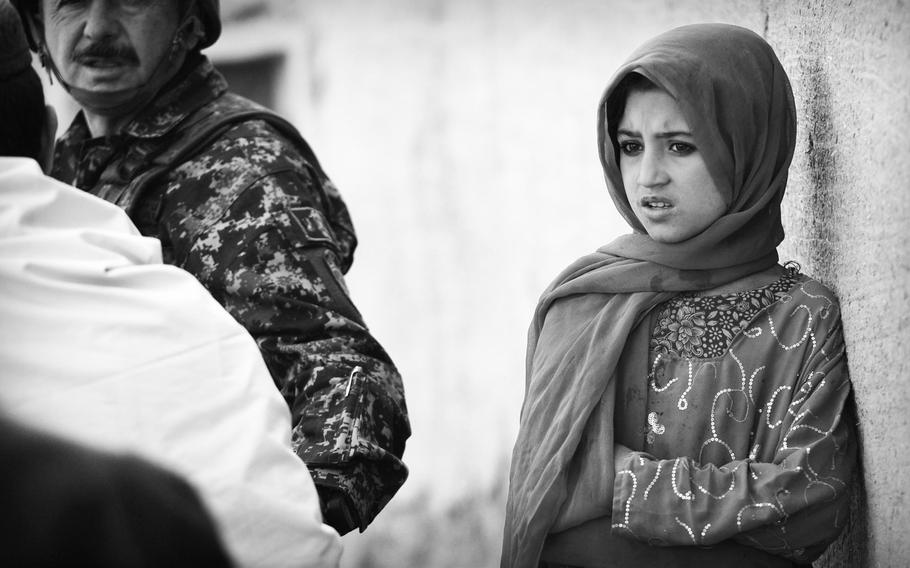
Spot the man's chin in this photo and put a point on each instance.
(110, 79)
(105, 98)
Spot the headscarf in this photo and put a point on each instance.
(737, 101)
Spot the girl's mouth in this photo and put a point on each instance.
(655, 203)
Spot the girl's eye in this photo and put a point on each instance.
(681, 148)
(629, 147)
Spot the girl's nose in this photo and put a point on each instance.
(651, 171)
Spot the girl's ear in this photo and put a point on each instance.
(48, 134)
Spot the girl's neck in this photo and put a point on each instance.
(746, 283)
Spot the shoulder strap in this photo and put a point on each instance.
(201, 133)
(146, 166)
(140, 176)
(137, 183)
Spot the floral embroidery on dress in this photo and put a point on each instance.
(701, 327)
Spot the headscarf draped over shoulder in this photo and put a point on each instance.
(737, 100)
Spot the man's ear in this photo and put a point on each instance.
(48, 134)
(191, 32)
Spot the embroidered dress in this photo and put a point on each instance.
(739, 423)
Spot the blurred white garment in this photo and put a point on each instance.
(103, 344)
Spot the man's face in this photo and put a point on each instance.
(106, 46)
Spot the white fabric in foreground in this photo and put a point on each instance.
(103, 344)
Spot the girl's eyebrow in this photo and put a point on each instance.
(674, 134)
(668, 134)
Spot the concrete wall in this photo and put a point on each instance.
(848, 220)
(462, 135)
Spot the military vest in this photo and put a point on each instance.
(138, 182)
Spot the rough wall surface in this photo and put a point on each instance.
(847, 216)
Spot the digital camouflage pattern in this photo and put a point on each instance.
(268, 235)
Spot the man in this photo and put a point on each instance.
(103, 345)
(246, 208)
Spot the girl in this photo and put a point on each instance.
(685, 392)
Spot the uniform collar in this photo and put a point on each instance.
(193, 87)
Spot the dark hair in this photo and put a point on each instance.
(616, 104)
(22, 115)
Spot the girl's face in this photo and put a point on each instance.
(665, 177)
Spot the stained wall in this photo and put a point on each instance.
(848, 221)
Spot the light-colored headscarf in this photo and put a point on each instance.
(737, 101)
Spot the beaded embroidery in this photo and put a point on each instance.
(701, 327)
(739, 430)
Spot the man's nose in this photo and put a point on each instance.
(100, 20)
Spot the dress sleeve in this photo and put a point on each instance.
(792, 506)
(273, 263)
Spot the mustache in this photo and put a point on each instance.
(106, 50)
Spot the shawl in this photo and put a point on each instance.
(737, 101)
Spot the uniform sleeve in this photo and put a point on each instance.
(793, 506)
(272, 261)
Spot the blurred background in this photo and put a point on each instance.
(462, 135)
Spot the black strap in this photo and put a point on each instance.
(132, 183)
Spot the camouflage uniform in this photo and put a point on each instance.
(269, 236)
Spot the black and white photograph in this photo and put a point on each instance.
(454, 283)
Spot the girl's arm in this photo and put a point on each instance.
(793, 506)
